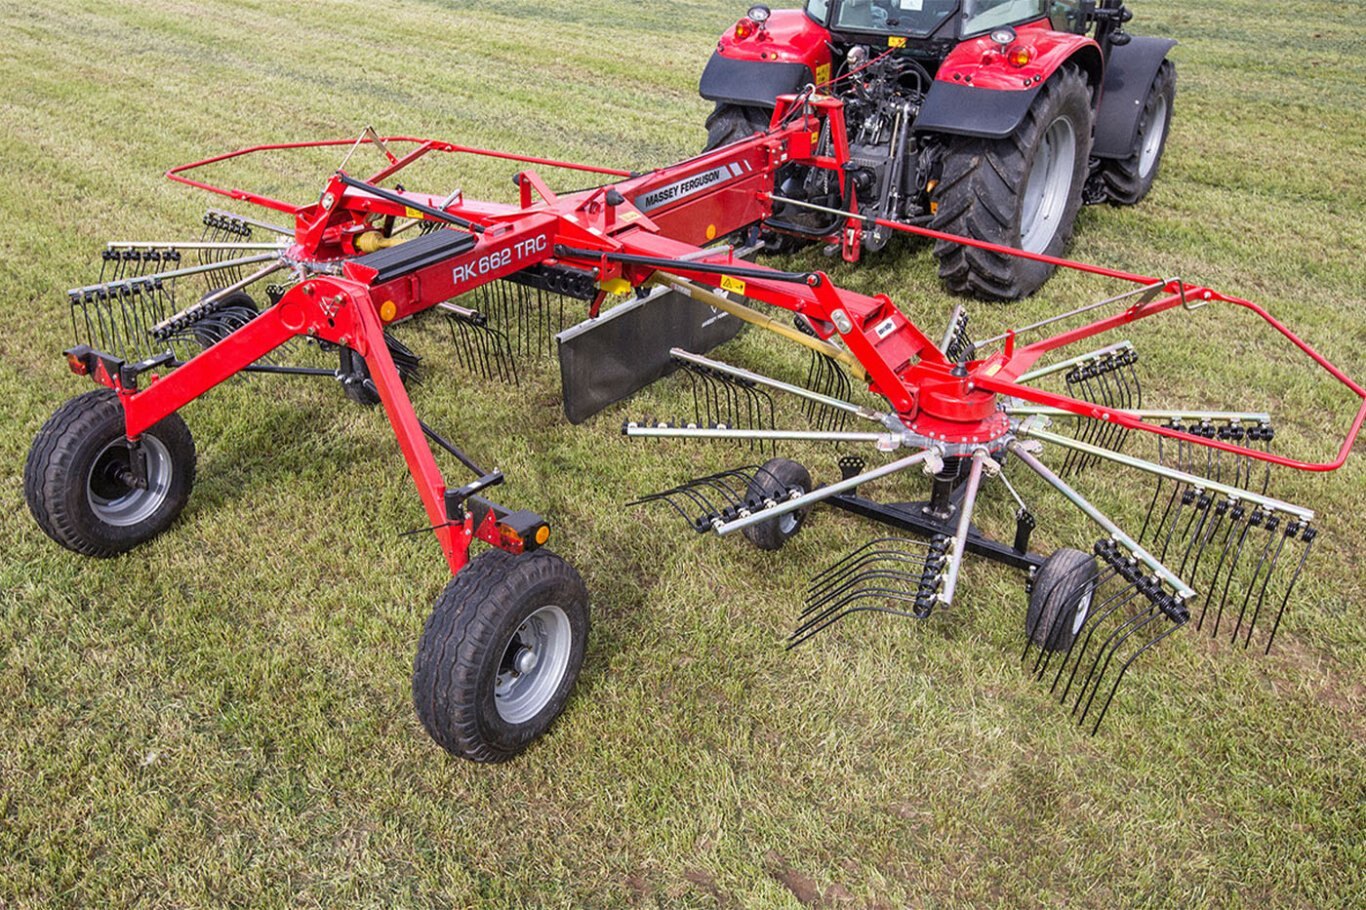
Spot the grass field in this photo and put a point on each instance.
(222, 718)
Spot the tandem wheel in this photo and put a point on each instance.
(1060, 599)
(775, 480)
(500, 653)
(82, 483)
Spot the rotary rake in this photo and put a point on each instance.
(167, 322)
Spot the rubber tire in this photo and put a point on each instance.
(729, 123)
(980, 195)
(458, 655)
(773, 481)
(1123, 183)
(1057, 589)
(57, 472)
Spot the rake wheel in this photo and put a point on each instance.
(500, 654)
(776, 480)
(1060, 599)
(79, 481)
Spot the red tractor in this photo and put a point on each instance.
(990, 119)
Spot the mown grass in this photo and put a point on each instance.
(222, 718)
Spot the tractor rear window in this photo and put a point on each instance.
(902, 17)
(983, 15)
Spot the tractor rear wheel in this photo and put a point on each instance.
(776, 480)
(1128, 180)
(1022, 191)
(83, 488)
(732, 122)
(500, 653)
(1060, 599)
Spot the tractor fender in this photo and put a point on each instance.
(788, 53)
(1132, 68)
(978, 93)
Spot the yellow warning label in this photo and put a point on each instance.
(411, 213)
(734, 285)
(628, 217)
(823, 74)
(896, 41)
(993, 369)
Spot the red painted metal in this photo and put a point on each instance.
(982, 63)
(789, 36)
(665, 214)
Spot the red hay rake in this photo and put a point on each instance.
(501, 651)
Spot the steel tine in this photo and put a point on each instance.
(1118, 600)
(864, 588)
(1108, 649)
(814, 602)
(1307, 537)
(1235, 516)
(1195, 537)
(857, 553)
(811, 633)
(1254, 520)
(1272, 523)
(1125, 668)
(825, 582)
(1266, 582)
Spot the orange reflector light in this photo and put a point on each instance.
(77, 364)
(1020, 55)
(744, 28)
(388, 310)
(542, 535)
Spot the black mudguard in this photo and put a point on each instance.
(1128, 76)
(964, 110)
(751, 82)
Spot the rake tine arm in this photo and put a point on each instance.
(1153, 565)
(923, 457)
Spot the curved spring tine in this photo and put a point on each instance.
(1204, 506)
(817, 604)
(1119, 599)
(1110, 649)
(1261, 595)
(1252, 582)
(1235, 516)
(825, 581)
(1232, 570)
(804, 634)
(1304, 557)
(1124, 669)
(853, 554)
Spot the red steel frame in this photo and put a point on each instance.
(666, 215)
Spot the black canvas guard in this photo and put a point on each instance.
(608, 359)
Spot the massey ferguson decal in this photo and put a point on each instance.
(648, 202)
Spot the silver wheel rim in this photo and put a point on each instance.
(787, 524)
(533, 664)
(116, 503)
(1083, 609)
(1049, 186)
(1152, 139)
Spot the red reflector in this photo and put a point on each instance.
(77, 365)
(743, 29)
